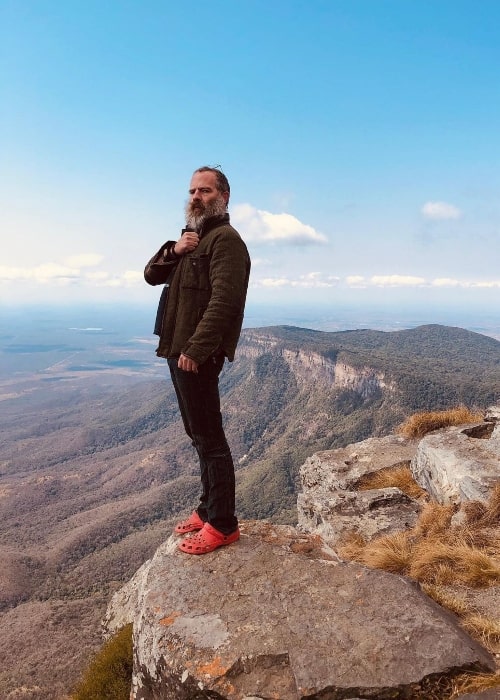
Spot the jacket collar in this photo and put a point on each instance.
(212, 223)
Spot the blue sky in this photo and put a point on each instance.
(361, 139)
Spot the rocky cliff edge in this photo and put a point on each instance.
(279, 615)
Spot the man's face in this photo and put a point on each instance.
(205, 200)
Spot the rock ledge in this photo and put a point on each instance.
(277, 615)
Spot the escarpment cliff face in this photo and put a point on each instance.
(309, 366)
(419, 365)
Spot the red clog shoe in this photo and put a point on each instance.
(207, 540)
(194, 522)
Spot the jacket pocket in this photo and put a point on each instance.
(196, 272)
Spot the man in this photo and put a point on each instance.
(199, 320)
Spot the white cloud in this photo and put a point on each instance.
(273, 282)
(466, 284)
(310, 280)
(488, 285)
(41, 273)
(129, 278)
(84, 260)
(133, 276)
(259, 226)
(356, 281)
(97, 275)
(397, 281)
(445, 282)
(440, 211)
(69, 270)
(56, 274)
(315, 279)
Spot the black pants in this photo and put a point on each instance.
(199, 403)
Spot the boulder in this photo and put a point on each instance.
(277, 615)
(492, 414)
(330, 503)
(459, 463)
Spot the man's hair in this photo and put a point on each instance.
(222, 182)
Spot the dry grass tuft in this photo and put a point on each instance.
(420, 424)
(481, 627)
(453, 686)
(352, 547)
(433, 552)
(485, 538)
(447, 600)
(390, 553)
(491, 515)
(484, 628)
(443, 563)
(397, 476)
(434, 519)
(484, 514)
(474, 512)
(468, 683)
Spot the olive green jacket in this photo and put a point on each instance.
(203, 311)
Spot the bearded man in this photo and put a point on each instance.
(199, 320)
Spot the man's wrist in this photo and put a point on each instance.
(169, 253)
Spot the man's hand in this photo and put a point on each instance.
(187, 364)
(186, 243)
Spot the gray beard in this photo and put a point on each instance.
(197, 217)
